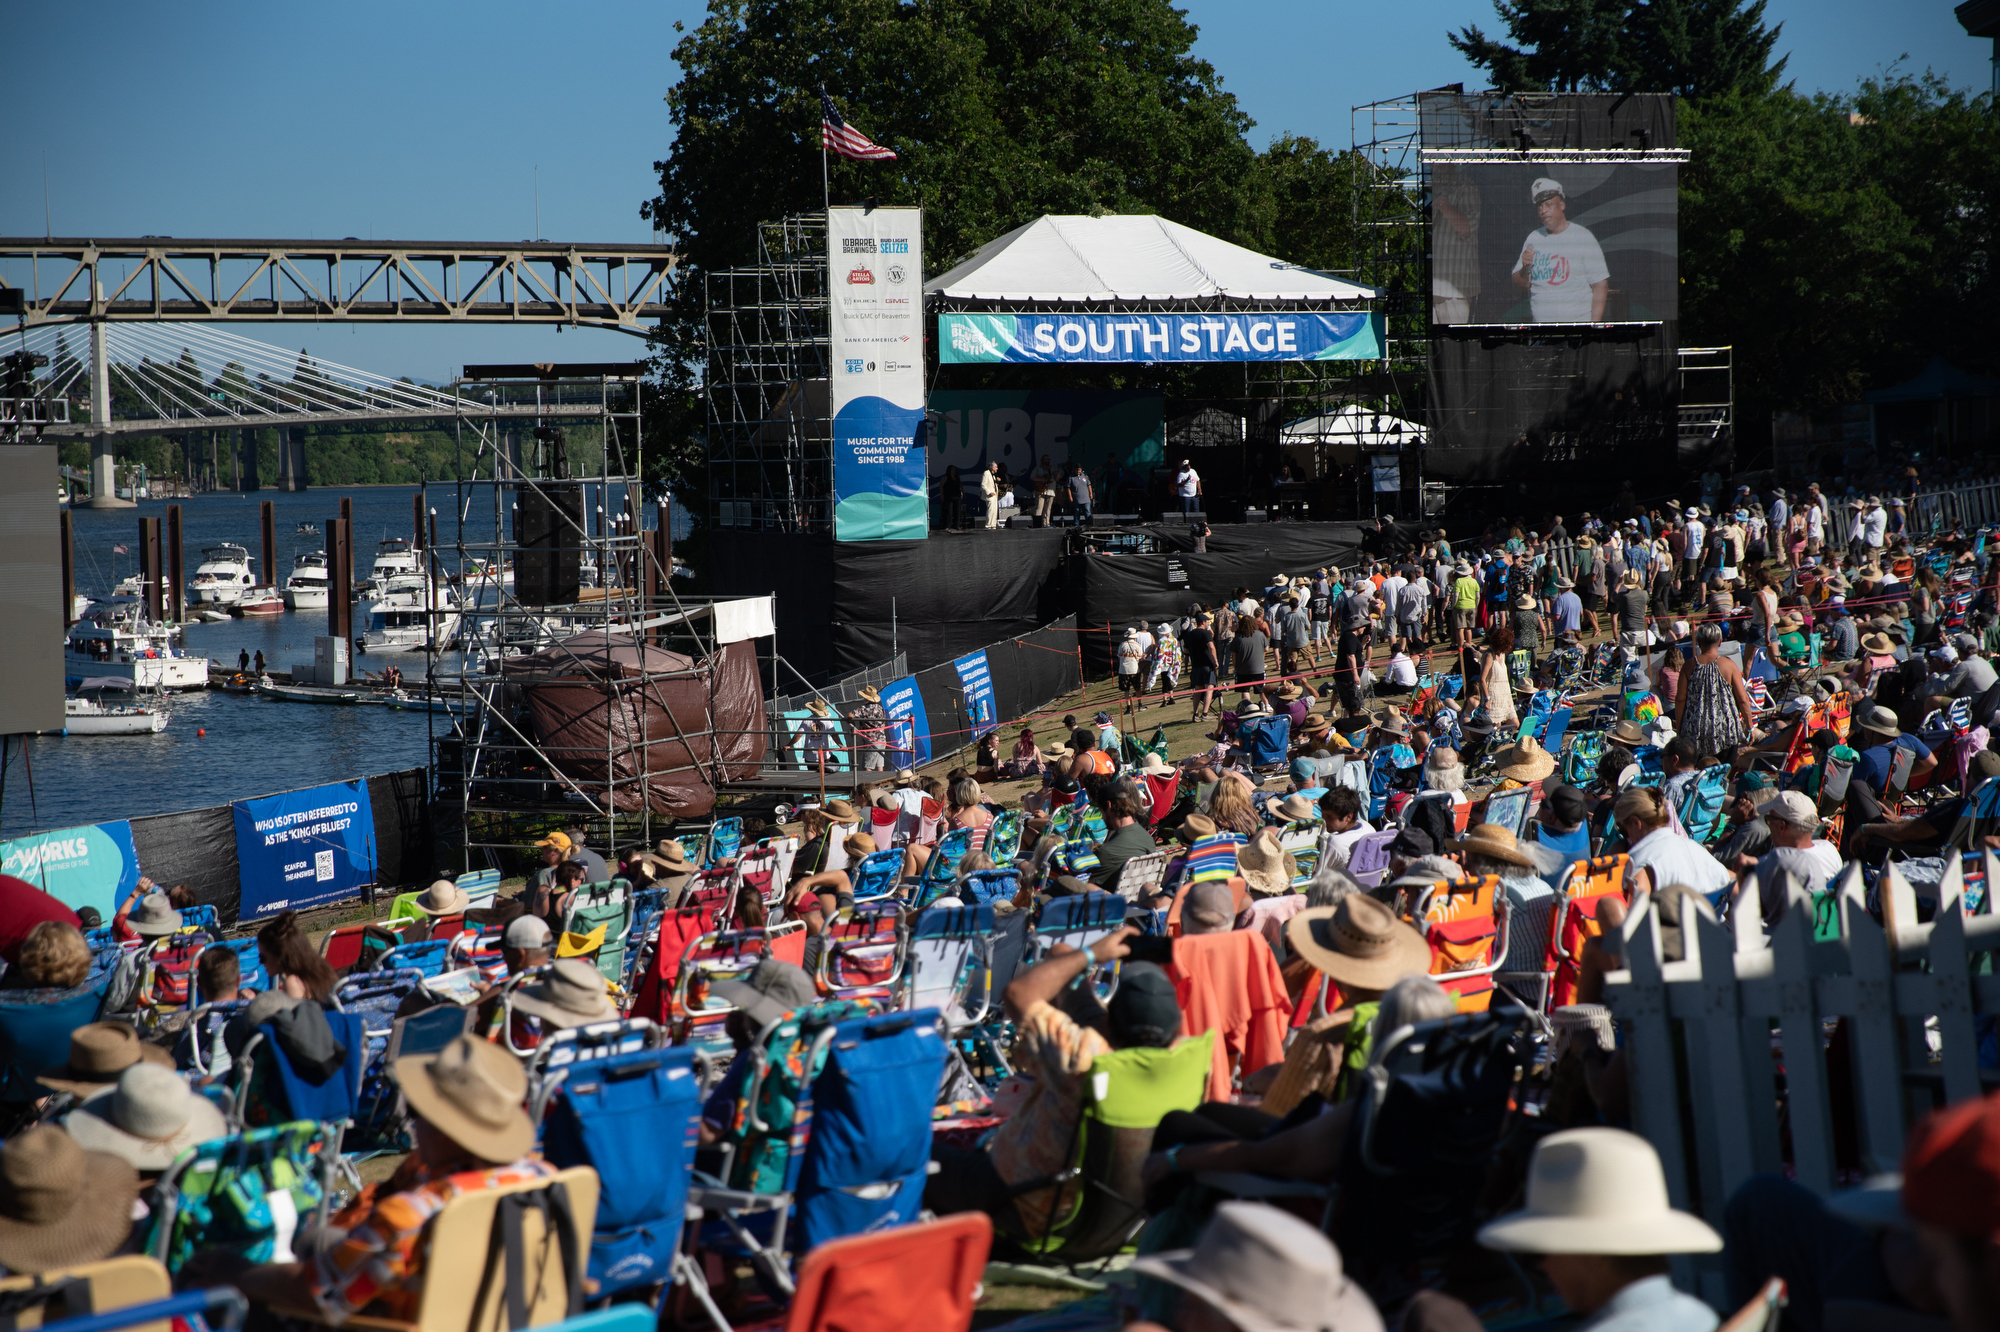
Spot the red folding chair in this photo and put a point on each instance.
(918, 1278)
(1465, 925)
(1586, 886)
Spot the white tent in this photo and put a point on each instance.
(1131, 258)
(1356, 426)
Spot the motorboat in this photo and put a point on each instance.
(259, 602)
(89, 712)
(309, 693)
(306, 529)
(131, 649)
(411, 613)
(79, 606)
(222, 577)
(392, 557)
(478, 573)
(214, 616)
(306, 589)
(129, 613)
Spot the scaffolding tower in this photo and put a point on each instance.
(770, 449)
(549, 548)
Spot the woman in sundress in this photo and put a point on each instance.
(1711, 705)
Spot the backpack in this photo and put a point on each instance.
(1581, 757)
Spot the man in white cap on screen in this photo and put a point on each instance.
(1562, 266)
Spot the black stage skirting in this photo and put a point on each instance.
(958, 592)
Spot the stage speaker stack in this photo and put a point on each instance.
(548, 564)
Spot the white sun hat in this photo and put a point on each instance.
(1598, 1191)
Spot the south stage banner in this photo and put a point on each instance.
(304, 848)
(875, 274)
(1065, 339)
(92, 866)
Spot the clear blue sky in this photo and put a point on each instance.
(428, 121)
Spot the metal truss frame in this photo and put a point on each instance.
(271, 281)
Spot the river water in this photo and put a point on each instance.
(253, 745)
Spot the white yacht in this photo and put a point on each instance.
(306, 589)
(112, 646)
(222, 576)
(392, 557)
(91, 713)
(411, 613)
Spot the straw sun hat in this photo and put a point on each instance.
(1527, 761)
(150, 1117)
(571, 994)
(443, 898)
(98, 1053)
(154, 917)
(1359, 944)
(472, 1091)
(1266, 867)
(1264, 1270)
(60, 1204)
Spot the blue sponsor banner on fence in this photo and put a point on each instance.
(977, 678)
(1064, 339)
(92, 866)
(909, 728)
(304, 848)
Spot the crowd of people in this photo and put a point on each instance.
(1832, 702)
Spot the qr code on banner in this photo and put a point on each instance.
(322, 866)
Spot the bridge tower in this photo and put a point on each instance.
(103, 468)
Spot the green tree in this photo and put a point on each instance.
(1690, 48)
(999, 112)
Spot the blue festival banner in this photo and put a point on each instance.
(304, 848)
(1067, 339)
(909, 727)
(92, 866)
(977, 678)
(875, 393)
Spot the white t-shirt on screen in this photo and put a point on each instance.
(1566, 263)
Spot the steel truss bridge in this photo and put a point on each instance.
(157, 278)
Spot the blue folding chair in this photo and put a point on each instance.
(1081, 920)
(941, 870)
(947, 947)
(1556, 730)
(635, 1118)
(35, 1026)
(988, 886)
(1702, 804)
(875, 878)
(724, 838)
(1509, 809)
(1003, 836)
(431, 957)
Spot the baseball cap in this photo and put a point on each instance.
(1944, 652)
(1794, 807)
(1752, 782)
(560, 841)
(1568, 804)
(1545, 188)
(772, 989)
(527, 932)
(1412, 844)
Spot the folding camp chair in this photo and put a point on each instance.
(1702, 804)
(168, 971)
(606, 908)
(432, 957)
(862, 953)
(721, 843)
(726, 955)
(882, 827)
(913, 1278)
(1434, 1104)
(713, 893)
(1520, 668)
(268, 1090)
(1556, 730)
(635, 1119)
(982, 886)
(128, 1285)
(1003, 837)
(550, 1062)
(200, 1203)
(1581, 753)
(1465, 924)
(1094, 1205)
(1301, 839)
(1509, 809)
(942, 868)
(948, 946)
(1586, 885)
(529, 1243)
(756, 875)
(1368, 857)
(877, 877)
(35, 1026)
(1141, 876)
(375, 997)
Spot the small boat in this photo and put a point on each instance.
(308, 693)
(409, 702)
(307, 529)
(259, 601)
(89, 713)
(222, 577)
(117, 641)
(239, 683)
(214, 617)
(306, 589)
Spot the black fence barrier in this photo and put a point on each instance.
(1027, 671)
(197, 847)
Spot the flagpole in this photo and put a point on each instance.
(825, 189)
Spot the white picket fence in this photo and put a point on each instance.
(1739, 1002)
(1932, 510)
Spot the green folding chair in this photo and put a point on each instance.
(1125, 1096)
(609, 906)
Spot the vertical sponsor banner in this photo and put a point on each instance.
(909, 727)
(93, 866)
(304, 848)
(875, 286)
(977, 678)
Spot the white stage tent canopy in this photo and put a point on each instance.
(1131, 259)
(1356, 426)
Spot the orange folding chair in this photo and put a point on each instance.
(1586, 886)
(920, 1278)
(1464, 923)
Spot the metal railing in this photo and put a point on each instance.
(1932, 512)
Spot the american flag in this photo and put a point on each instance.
(119, 550)
(846, 140)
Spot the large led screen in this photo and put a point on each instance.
(1554, 243)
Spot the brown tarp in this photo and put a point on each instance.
(606, 708)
